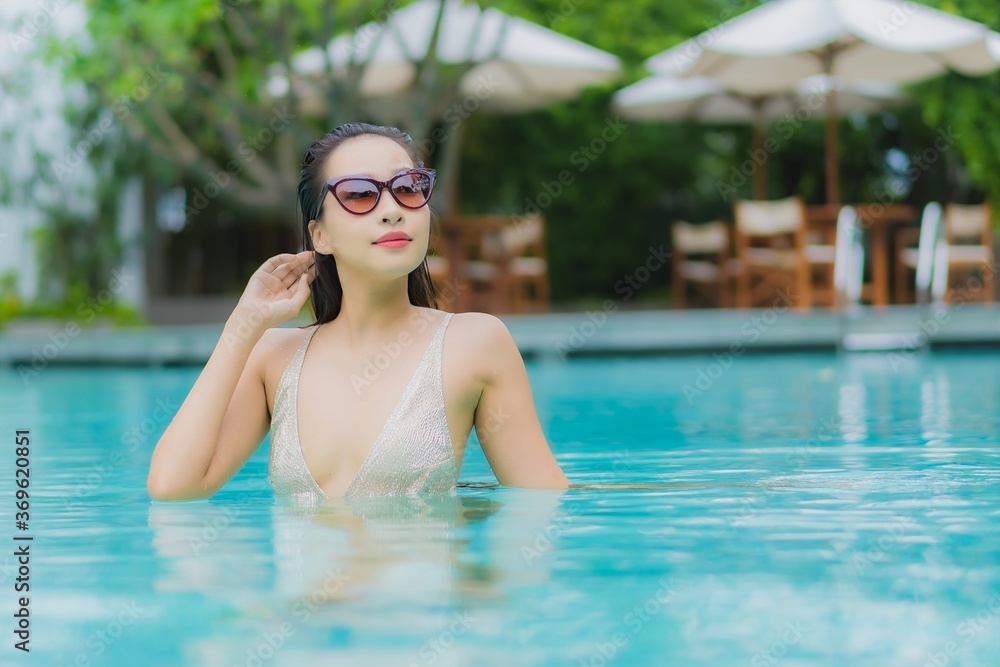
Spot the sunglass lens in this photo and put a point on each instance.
(357, 196)
(412, 189)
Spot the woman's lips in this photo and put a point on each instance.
(393, 243)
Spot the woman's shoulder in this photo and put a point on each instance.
(278, 338)
(478, 336)
(276, 348)
(469, 325)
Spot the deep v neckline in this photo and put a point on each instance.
(371, 449)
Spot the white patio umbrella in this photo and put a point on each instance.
(768, 49)
(530, 66)
(665, 97)
(512, 65)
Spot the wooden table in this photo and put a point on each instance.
(462, 233)
(876, 219)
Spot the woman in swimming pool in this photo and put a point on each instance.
(386, 402)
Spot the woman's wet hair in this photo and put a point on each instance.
(327, 292)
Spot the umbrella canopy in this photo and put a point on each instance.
(668, 98)
(768, 49)
(504, 64)
(524, 65)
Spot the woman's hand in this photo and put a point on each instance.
(277, 290)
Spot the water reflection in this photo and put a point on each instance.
(453, 548)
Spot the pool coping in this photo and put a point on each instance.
(596, 332)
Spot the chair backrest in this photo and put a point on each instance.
(849, 258)
(770, 218)
(930, 226)
(524, 234)
(708, 238)
(968, 222)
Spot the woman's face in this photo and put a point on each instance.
(353, 239)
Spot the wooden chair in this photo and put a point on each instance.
(498, 263)
(513, 259)
(821, 254)
(700, 257)
(781, 264)
(968, 232)
(523, 247)
(943, 256)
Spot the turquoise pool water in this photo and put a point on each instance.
(825, 510)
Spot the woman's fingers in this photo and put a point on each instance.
(274, 262)
(294, 266)
(301, 292)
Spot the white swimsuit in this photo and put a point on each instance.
(413, 453)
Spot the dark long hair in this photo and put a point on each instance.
(327, 292)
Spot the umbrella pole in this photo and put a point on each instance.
(450, 163)
(832, 140)
(760, 175)
(832, 156)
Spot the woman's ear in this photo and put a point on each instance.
(319, 241)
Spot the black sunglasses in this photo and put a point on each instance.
(358, 194)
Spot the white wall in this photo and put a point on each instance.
(34, 137)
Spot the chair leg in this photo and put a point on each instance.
(743, 288)
(900, 278)
(680, 287)
(805, 292)
(989, 289)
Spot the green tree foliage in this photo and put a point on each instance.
(971, 107)
(185, 80)
(602, 224)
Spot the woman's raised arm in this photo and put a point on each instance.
(224, 417)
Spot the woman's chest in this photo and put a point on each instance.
(344, 406)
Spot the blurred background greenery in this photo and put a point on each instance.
(200, 65)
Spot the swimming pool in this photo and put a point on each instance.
(829, 510)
